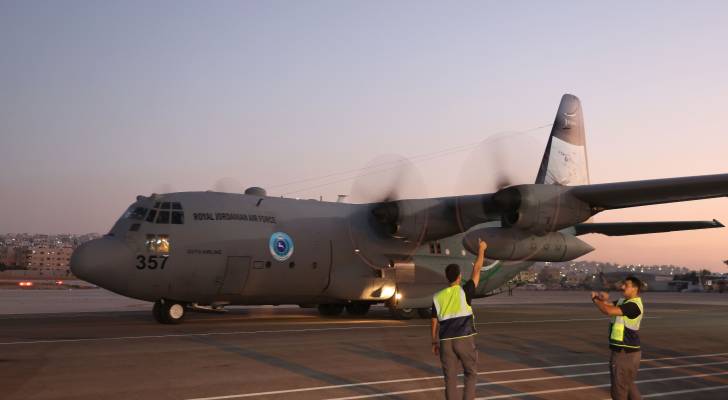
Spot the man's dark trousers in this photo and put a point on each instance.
(623, 369)
(453, 354)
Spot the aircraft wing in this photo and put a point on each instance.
(609, 196)
(639, 228)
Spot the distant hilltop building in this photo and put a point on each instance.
(46, 258)
(39, 252)
(595, 267)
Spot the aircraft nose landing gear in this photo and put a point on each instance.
(168, 311)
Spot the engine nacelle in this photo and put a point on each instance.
(415, 220)
(516, 245)
(540, 208)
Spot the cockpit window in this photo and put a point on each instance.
(162, 214)
(163, 217)
(137, 213)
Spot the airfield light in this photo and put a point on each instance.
(356, 251)
(398, 296)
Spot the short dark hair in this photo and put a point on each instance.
(636, 282)
(452, 272)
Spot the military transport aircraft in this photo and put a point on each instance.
(205, 250)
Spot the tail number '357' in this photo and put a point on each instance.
(151, 262)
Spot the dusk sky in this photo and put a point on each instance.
(101, 101)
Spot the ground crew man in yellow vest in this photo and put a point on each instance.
(624, 339)
(454, 341)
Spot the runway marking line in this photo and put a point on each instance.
(404, 380)
(674, 378)
(686, 391)
(543, 378)
(271, 331)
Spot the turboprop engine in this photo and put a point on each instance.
(540, 208)
(516, 245)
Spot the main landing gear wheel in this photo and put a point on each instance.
(403, 313)
(358, 308)
(330, 310)
(168, 312)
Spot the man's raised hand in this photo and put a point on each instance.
(482, 246)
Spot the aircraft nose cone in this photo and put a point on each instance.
(101, 262)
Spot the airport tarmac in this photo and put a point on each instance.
(553, 349)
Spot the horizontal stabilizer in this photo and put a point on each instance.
(608, 196)
(639, 228)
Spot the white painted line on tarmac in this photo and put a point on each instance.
(272, 331)
(404, 380)
(686, 391)
(178, 335)
(682, 357)
(572, 389)
(542, 378)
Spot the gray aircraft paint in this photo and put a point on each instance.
(378, 252)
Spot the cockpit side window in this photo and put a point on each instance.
(137, 213)
(151, 216)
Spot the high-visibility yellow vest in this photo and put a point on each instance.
(453, 313)
(624, 331)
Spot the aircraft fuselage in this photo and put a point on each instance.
(232, 249)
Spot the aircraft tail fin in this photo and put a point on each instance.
(564, 161)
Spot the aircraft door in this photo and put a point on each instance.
(236, 274)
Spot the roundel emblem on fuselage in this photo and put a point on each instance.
(281, 246)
